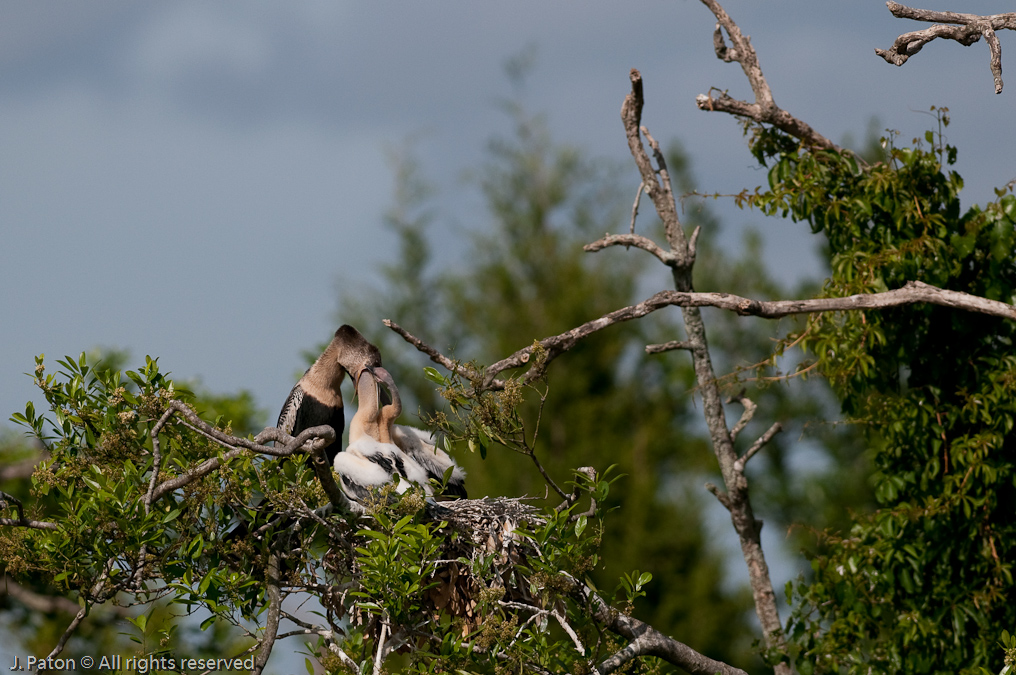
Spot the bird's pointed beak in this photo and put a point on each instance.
(359, 373)
(385, 379)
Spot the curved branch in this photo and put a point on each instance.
(764, 110)
(967, 29)
(646, 640)
(912, 292)
(659, 193)
(437, 357)
(309, 440)
(10, 501)
(636, 240)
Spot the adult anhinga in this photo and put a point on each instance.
(316, 399)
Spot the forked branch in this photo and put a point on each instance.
(963, 28)
(764, 109)
(644, 640)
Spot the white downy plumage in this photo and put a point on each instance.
(371, 459)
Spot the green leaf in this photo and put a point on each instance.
(434, 376)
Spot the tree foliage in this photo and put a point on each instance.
(923, 583)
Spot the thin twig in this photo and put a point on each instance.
(636, 240)
(380, 646)
(635, 208)
(719, 494)
(668, 346)
(749, 411)
(436, 356)
(545, 612)
(757, 445)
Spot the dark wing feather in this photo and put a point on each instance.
(291, 411)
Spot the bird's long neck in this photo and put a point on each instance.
(325, 377)
(389, 413)
(367, 418)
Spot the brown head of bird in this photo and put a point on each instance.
(348, 352)
(352, 351)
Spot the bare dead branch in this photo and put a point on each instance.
(439, 358)
(912, 292)
(967, 29)
(757, 445)
(749, 411)
(764, 110)
(636, 240)
(646, 640)
(274, 597)
(635, 207)
(667, 347)
(736, 497)
(719, 494)
(663, 199)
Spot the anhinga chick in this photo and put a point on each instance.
(417, 444)
(369, 461)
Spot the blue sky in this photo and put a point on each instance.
(193, 180)
(196, 180)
